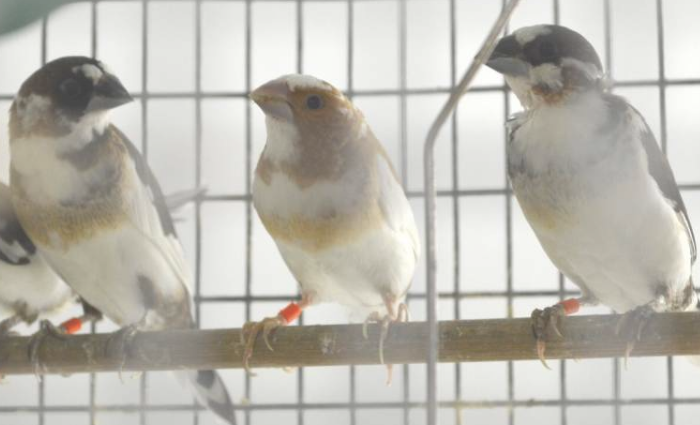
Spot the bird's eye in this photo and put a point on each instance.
(548, 50)
(71, 88)
(314, 102)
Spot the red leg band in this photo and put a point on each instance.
(72, 326)
(290, 313)
(571, 306)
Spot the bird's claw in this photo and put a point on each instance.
(249, 335)
(385, 322)
(542, 322)
(120, 342)
(631, 326)
(374, 317)
(46, 329)
(7, 325)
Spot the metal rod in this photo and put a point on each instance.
(431, 207)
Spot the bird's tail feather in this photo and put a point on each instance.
(209, 390)
(177, 200)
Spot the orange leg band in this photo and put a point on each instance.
(571, 306)
(290, 313)
(72, 326)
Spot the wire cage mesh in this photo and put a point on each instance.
(191, 64)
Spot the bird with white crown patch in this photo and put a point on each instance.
(593, 184)
(89, 202)
(327, 193)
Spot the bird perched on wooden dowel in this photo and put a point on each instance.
(90, 203)
(593, 184)
(328, 194)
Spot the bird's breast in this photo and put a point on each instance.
(320, 233)
(318, 216)
(60, 226)
(70, 197)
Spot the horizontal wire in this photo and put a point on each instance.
(474, 404)
(380, 92)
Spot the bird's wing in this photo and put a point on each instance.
(393, 202)
(659, 168)
(15, 246)
(149, 214)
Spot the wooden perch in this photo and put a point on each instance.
(460, 341)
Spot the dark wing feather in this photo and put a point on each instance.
(659, 168)
(15, 246)
(149, 213)
(149, 181)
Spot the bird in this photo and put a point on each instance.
(29, 287)
(593, 184)
(327, 192)
(91, 205)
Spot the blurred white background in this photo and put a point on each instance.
(474, 225)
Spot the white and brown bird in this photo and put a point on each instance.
(328, 194)
(89, 202)
(593, 184)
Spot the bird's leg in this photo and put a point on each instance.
(46, 329)
(90, 315)
(120, 342)
(394, 315)
(251, 330)
(544, 321)
(632, 323)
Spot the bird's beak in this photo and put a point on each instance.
(506, 58)
(109, 93)
(273, 99)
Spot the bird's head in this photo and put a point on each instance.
(546, 63)
(307, 109)
(68, 95)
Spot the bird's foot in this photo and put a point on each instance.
(120, 342)
(547, 320)
(631, 325)
(385, 322)
(46, 329)
(250, 332)
(8, 324)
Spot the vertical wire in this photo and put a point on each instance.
(509, 243)
(608, 66)
(662, 73)
(248, 174)
(143, 388)
(42, 384)
(300, 70)
(664, 149)
(431, 296)
(198, 174)
(561, 281)
(403, 84)
(455, 200)
(44, 48)
(93, 53)
(403, 148)
(351, 43)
